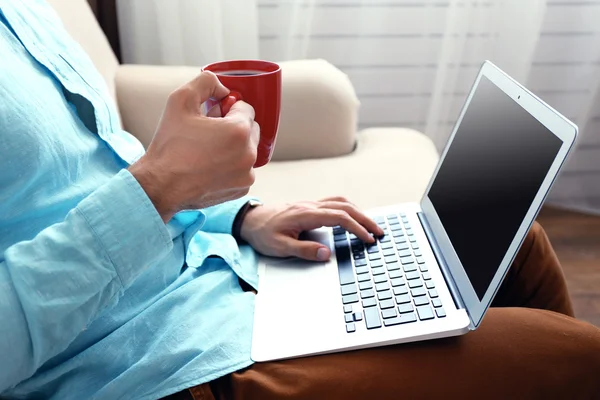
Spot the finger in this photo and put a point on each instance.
(355, 213)
(241, 109)
(255, 135)
(214, 112)
(201, 88)
(328, 217)
(306, 250)
(336, 198)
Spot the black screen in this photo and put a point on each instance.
(493, 170)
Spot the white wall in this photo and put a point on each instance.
(390, 49)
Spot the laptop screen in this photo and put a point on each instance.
(489, 178)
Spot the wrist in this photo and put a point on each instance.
(245, 226)
(156, 191)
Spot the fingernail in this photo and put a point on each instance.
(322, 254)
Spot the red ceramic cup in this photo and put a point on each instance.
(258, 83)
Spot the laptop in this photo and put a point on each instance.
(436, 270)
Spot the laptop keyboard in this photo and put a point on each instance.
(386, 283)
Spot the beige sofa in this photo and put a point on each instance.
(318, 152)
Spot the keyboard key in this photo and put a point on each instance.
(373, 248)
(348, 289)
(400, 290)
(413, 239)
(400, 319)
(357, 316)
(386, 294)
(384, 304)
(378, 271)
(404, 253)
(339, 237)
(372, 319)
(393, 266)
(399, 236)
(380, 278)
(440, 312)
(436, 302)
(348, 318)
(426, 276)
(429, 284)
(365, 294)
(406, 260)
(395, 228)
(389, 252)
(351, 298)
(423, 268)
(360, 263)
(402, 246)
(416, 292)
(374, 256)
(413, 275)
(421, 301)
(405, 308)
(358, 256)
(396, 273)
(418, 253)
(415, 283)
(348, 308)
(350, 328)
(433, 294)
(425, 313)
(420, 260)
(338, 229)
(390, 259)
(376, 263)
(409, 232)
(364, 277)
(386, 246)
(385, 239)
(397, 282)
(365, 285)
(388, 313)
(414, 244)
(345, 272)
(409, 267)
(382, 286)
(362, 270)
(370, 302)
(402, 299)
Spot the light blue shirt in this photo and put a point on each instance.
(95, 301)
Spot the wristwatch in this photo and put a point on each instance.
(236, 229)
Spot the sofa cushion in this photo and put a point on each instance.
(389, 165)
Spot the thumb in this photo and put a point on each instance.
(307, 250)
(202, 88)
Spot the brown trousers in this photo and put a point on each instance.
(528, 346)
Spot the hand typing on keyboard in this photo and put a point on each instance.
(275, 230)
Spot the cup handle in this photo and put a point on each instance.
(225, 103)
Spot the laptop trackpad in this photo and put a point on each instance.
(292, 275)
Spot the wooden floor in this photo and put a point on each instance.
(576, 240)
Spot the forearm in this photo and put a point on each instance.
(54, 285)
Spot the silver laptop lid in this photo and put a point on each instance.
(501, 159)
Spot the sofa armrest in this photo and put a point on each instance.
(318, 112)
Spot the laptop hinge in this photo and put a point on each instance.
(458, 301)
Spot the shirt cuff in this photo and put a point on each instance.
(127, 225)
(219, 218)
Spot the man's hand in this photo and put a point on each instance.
(196, 161)
(274, 230)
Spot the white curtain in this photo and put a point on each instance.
(411, 61)
(187, 32)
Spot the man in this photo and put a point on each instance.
(114, 285)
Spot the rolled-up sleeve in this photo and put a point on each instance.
(53, 286)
